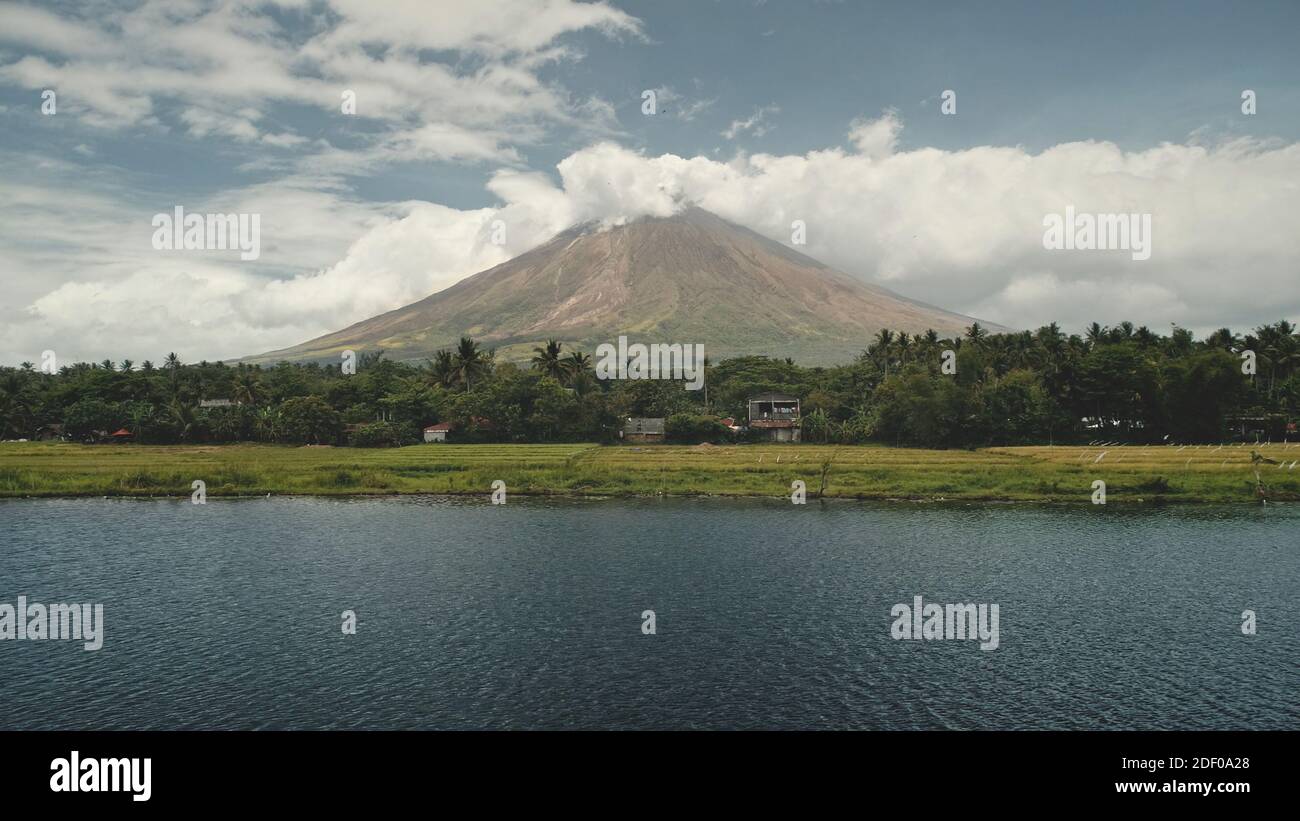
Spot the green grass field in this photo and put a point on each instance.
(1132, 473)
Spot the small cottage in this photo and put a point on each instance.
(438, 432)
(645, 430)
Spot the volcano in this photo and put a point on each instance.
(689, 278)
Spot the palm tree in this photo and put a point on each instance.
(904, 347)
(15, 409)
(577, 363)
(470, 361)
(265, 421)
(442, 368)
(548, 360)
(140, 416)
(183, 417)
(1224, 339)
(976, 332)
(248, 386)
(127, 366)
(880, 349)
(1279, 349)
(172, 362)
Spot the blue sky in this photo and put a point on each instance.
(474, 110)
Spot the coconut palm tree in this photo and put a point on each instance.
(183, 418)
(470, 361)
(548, 360)
(15, 407)
(1223, 339)
(248, 388)
(880, 349)
(904, 345)
(577, 363)
(1279, 351)
(442, 368)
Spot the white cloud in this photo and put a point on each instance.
(876, 139)
(961, 229)
(755, 124)
(678, 105)
(121, 68)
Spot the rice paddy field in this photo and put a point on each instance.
(1132, 473)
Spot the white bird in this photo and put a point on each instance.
(1098, 459)
(1292, 466)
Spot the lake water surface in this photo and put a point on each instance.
(768, 615)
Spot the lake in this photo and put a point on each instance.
(766, 615)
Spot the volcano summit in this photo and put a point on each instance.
(692, 278)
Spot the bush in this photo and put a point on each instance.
(383, 435)
(308, 419)
(689, 429)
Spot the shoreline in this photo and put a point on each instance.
(1055, 474)
(1155, 502)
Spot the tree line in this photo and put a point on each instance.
(1121, 383)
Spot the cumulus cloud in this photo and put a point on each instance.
(878, 138)
(962, 229)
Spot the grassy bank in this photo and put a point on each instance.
(1131, 473)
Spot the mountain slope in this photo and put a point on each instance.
(689, 278)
